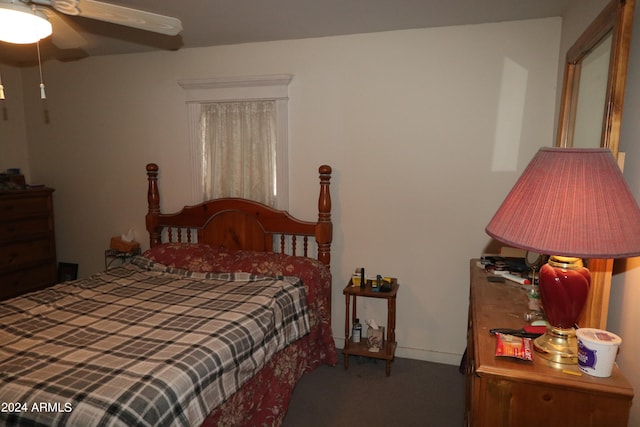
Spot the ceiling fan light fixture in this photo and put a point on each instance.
(21, 25)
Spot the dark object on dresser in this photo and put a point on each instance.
(27, 241)
(11, 181)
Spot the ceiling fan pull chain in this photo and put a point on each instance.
(1, 88)
(43, 95)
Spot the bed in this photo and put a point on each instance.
(212, 325)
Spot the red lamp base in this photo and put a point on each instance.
(564, 288)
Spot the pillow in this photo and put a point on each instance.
(188, 256)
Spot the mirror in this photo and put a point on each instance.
(594, 80)
(592, 90)
(590, 115)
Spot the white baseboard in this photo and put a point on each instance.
(419, 354)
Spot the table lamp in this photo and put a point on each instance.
(569, 203)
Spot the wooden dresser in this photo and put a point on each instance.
(27, 242)
(511, 392)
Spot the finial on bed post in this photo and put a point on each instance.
(324, 231)
(153, 200)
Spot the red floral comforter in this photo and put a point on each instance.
(265, 398)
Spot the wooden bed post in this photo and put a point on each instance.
(324, 229)
(153, 200)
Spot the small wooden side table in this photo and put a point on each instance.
(387, 352)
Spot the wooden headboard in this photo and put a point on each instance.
(242, 224)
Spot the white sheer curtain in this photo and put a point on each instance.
(239, 150)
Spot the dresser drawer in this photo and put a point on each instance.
(20, 207)
(25, 253)
(17, 282)
(22, 229)
(27, 241)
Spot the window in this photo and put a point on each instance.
(239, 147)
(216, 107)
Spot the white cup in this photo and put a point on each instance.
(597, 351)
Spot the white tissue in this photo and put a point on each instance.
(372, 324)
(129, 237)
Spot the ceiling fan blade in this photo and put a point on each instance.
(121, 15)
(64, 35)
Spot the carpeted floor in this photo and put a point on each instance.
(417, 393)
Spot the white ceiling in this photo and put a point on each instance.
(218, 22)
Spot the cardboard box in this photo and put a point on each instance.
(120, 245)
(375, 339)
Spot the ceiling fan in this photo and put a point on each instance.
(43, 10)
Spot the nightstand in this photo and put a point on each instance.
(387, 352)
(113, 255)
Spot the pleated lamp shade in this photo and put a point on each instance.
(571, 202)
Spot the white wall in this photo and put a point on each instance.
(426, 131)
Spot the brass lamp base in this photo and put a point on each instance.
(558, 345)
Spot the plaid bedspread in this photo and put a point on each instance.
(141, 345)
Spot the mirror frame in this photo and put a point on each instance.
(615, 19)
